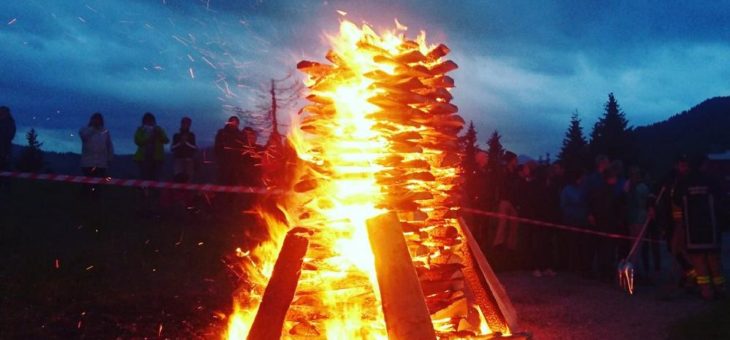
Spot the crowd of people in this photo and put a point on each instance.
(683, 210)
(239, 159)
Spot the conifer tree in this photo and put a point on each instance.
(495, 151)
(469, 163)
(574, 145)
(611, 135)
(31, 158)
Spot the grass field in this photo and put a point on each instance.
(79, 268)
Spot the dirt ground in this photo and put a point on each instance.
(569, 307)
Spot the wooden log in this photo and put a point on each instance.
(404, 306)
(499, 294)
(280, 291)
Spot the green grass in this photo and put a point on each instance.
(119, 273)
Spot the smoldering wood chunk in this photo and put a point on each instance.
(390, 160)
(334, 58)
(314, 68)
(406, 136)
(445, 232)
(414, 71)
(433, 287)
(438, 52)
(411, 227)
(319, 99)
(440, 108)
(382, 76)
(413, 56)
(439, 272)
(437, 93)
(442, 81)
(416, 164)
(421, 176)
(304, 328)
(320, 111)
(405, 84)
(404, 204)
(405, 148)
(372, 48)
(444, 67)
(305, 185)
(457, 309)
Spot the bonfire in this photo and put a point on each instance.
(370, 244)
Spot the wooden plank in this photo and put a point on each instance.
(495, 287)
(404, 306)
(280, 290)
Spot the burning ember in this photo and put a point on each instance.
(379, 136)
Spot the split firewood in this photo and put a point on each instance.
(304, 329)
(444, 67)
(404, 307)
(438, 52)
(280, 290)
(413, 56)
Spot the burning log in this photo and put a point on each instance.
(280, 291)
(404, 307)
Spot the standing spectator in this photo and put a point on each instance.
(574, 206)
(183, 152)
(695, 198)
(150, 140)
(606, 215)
(7, 133)
(505, 238)
(97, 149)
(638, 212)
(228, 148)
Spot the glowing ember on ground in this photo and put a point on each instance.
(379, 135)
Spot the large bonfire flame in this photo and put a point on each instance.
(378, 135)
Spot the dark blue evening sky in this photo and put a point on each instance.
(525, 66)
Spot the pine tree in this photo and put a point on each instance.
(470, 166)
(572, 153)
(31, 158)
(469, 162)
(611, 136)
(495, 151)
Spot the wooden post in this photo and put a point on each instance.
(500, 296)
(404, 307)
(280, 291)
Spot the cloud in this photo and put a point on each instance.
(525, 65)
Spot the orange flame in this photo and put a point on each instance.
(341, 148)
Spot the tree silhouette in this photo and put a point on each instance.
(611, 135)
(31, 158)
(495, 151)
(572, 153)
(469, 162)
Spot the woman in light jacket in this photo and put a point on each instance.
(97, 149)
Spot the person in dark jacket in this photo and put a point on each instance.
(695, 198)
(506, 234)
(228, 148)
(574, 207)
(606, 207)
(183, 152)
(7, 133)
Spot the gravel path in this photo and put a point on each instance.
(570, 307)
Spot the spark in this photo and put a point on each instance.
(57, 263)
(192, 74)
(81, 19)
(90, 267)
(400, 26)
(342, 13)
(12, 21)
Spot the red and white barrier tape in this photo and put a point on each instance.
(136, 183)
(554, 225)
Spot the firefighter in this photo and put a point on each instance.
(693, 208)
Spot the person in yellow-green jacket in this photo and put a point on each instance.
(150, 140)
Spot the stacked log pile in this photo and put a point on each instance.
(408, 165)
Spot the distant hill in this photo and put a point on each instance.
(122, 166)
(702, 129)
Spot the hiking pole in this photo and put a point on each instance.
(625, 266)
